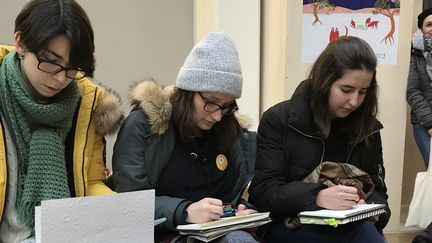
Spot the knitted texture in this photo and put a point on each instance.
(41, 154)
(212, 66)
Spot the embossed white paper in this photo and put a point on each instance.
(123, 217)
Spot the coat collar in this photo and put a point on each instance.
(154, 100)
(417, 41)
(108, 113)
(301, 116)
(300, 113)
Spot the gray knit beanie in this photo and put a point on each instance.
(212, 66)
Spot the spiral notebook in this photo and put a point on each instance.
(336, 217)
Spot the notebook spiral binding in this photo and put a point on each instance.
(364, 215)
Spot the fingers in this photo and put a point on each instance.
(361, 201)
(347, 204)
(205, 210)
(214, 216)
(338, 197)
(212, 205)
(241, 207)
(347, 189)
(348, 193)
(212, 201)
(208, 209)
(350, 197)
(245, 212)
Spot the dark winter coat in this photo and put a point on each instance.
(419, 86)
(289, 147)
(144, 146)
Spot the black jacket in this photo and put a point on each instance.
(425, 236)
(144, 146)
(289, 148)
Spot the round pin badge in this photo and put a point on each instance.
(221, 162)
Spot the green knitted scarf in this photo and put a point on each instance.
(41, 152)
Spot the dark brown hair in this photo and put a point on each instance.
(342, 55)
(42, 20)
(224, 133)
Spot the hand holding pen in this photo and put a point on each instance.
(209, 209)
(338, 197)
(205, 210)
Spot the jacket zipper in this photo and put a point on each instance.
(85, 144)
(352, 148)
(6, 181)
(379, 165)
(380, 171)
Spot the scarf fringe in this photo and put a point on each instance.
(27, 214)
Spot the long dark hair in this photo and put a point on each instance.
(42, 20)
(342, 55)
(224, 133)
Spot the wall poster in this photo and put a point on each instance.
(376, 21)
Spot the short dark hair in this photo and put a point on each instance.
(42, 20)
(342, 55)
(224, 133)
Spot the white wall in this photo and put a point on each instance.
(241, 20)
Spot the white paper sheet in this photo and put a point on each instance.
(123, 217)
(37, 224)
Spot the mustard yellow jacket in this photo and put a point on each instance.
(99, 113)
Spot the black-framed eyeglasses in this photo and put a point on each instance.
(213, 107)
(53, 68)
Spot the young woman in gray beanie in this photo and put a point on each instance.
(419, 86)
(183, 141)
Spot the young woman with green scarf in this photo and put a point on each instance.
(53, 118)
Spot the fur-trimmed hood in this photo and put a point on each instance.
(108, 114)
(154, 100)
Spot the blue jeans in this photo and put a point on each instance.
(422, 139)
(357, 232)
